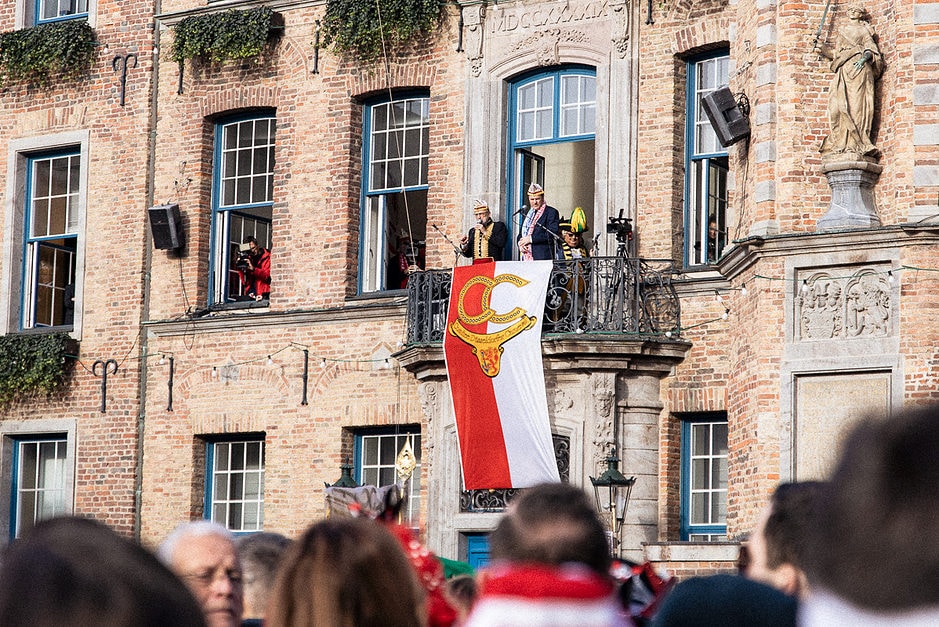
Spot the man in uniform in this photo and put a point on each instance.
(487, 238)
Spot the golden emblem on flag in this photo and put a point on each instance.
(488, 346)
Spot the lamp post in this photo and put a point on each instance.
(612, 490)
(345, 479)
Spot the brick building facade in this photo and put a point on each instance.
(241, 409)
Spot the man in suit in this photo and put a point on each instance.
(538, 238)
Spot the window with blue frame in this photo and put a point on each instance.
(40, 487)
(704, 477)
(553, 118)
(53, 191)
(375, 456)
(706, 165)
(234, 486)
(395, 155)
(53, 10)
(243, 199)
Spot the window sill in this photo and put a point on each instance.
(692, 551)
(241, 304)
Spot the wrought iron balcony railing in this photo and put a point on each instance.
(597, 295)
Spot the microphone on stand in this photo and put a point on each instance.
(521, 210)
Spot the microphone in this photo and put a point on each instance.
(521, 210)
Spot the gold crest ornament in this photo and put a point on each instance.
(488, 346)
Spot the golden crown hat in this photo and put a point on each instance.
(577, 223)
(480, 206)
(535, 190)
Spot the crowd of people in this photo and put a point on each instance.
(857, 549)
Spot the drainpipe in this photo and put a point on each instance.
(147, 265)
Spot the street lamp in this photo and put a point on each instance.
(345, 479)
(612, 490)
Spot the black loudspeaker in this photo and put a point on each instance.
(730, 124)
(166, 227)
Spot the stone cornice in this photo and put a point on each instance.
(171, 19)
(226, 321)
(746, 252)
(582, 352)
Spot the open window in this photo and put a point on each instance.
(396, 151)
(243, 200)
(706, 166)
(552, 140)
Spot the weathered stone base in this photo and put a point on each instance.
(852, 195)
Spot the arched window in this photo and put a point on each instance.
(552, 126)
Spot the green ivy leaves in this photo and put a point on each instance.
(33, 365)
(357, 26)
(217, 37)
(37, 55)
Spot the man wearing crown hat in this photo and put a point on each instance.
(539, 234)
(486, 240)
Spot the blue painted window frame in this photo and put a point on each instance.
(411, 516)
(64, 242)
(516, 188)
(211, 501)
(688, 424)
(60, 439)
(78, 13)
(254, 216)
(374, 247)
(706, 168)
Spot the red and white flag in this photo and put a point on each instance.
(493, 352)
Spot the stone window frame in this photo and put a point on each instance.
(701, 164)
(21, 151)
(376, 230)
(16, 431)
(254, 218)
(211, 500)
(689, 530)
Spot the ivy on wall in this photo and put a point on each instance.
(37, 55)
(33, 365)
(358, 27)
(217, 37)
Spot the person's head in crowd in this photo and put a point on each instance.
(346, 572)
(725, 600)
(260, 554)
(481, 212)
(75, 571)
(461, 592)
(777, 546)
(873, 542)
(553, 524)
(202, 553)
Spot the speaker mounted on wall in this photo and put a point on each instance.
(166, 227)
(727, 119)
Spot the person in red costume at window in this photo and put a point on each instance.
(256, 272)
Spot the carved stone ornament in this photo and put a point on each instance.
(604, 399)
(427, 391)
(830, 307)
(622, 14)
(546, 44)
(473, 31)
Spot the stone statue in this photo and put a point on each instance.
(857, 64)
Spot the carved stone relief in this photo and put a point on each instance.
(427, 390)
(621, 22)
(831, 307)
(604, 402)
(473, 16)
(546, 44)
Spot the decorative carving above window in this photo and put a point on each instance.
(484, 501)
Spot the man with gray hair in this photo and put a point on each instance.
(260, 555)
(202, 553)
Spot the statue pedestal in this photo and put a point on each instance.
(852, 194)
